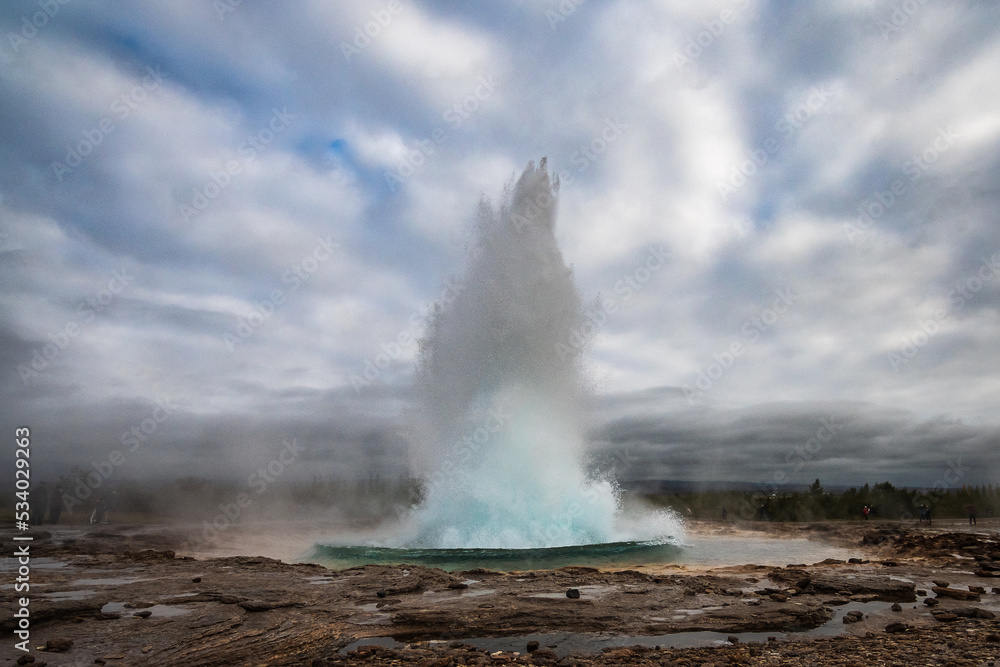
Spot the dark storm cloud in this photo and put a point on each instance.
(841, 443)
(238, 169)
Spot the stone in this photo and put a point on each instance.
(145, 613)
(853, 616)
(973, 612)
(898, 627)
(955, 594)
(573, 594)
(58, 645)
(896, 607)
(881, 586)
(532, 646)
(256, 605)
(930, 602)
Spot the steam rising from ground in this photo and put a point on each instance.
(498, 437)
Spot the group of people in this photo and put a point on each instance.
(107, 503)
(48, 501)
(925, 513)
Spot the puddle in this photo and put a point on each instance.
(468, 593)
(378, 617)
(158, 610)
(10, 564)
(110, 581)
(567, 643)
(737, 550)
(319, 580)
(70, 595)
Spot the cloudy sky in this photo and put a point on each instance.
(222, 223)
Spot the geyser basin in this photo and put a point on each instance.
(496, 433)
(609, 554)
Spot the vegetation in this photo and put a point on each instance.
(885, 501)
(198, 499)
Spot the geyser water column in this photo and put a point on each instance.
(498, 440)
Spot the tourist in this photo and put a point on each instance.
(39, 504)
(972, 515)
(105, 505)
(865, 511)
(56, 504)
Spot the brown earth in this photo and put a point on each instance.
(132, 595)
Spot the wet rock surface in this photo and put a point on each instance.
(257, 610)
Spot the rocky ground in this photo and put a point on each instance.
(131, 595)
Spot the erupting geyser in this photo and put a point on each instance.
(498, 437)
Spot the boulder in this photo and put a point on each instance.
(955, 594)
